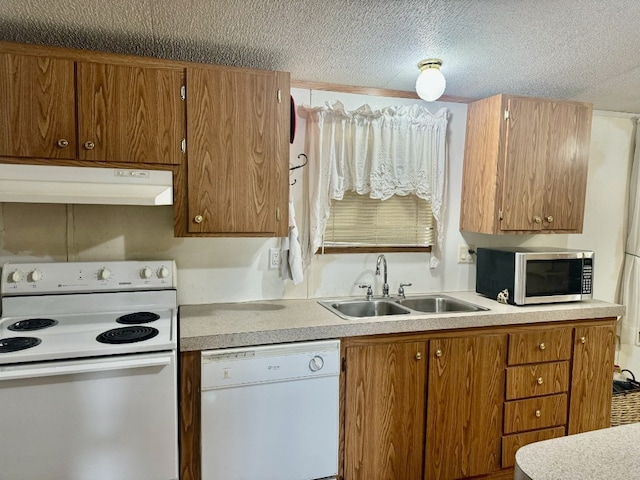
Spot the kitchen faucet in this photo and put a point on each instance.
(385, 285)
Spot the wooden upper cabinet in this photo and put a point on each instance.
(525, 166)
(591, 379)
(238, 151)
(37, 105)
(464, 406)
(384, 411)
(130, 113)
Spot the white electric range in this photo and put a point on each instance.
(88, 375)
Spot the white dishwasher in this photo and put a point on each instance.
(270, 412)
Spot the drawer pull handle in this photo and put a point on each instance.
(198, 219)
(583, 339)
(63, 143)
(540, 381)
(418, 356)
(542, 346)
(438, 353)
(538, 413)
(89, 145)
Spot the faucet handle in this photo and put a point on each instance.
(369, 290)
(401, 288)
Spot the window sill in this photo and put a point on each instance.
(371, 249)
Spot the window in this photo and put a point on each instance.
(381, 154)
(358, 223)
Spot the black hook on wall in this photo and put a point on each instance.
(304, 164)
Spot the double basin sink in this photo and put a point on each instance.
(379, 307)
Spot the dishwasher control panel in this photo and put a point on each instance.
(267, 364)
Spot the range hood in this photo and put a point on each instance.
(85, 185)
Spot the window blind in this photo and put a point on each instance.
(358, 220)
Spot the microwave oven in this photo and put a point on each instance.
(523, 276)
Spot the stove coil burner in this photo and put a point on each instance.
(14, 344)
(32, 324)
(131, 334)
(138, 317)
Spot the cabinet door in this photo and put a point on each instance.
(130, 114)
(525, 161)
(237, 161)
(384, 411)
(464, 406)
(592, 377)
(37, 101)
(565, 178)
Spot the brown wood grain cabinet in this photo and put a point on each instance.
(591, 379)
(525, 165)
(222, 131)
(124, 113)
(384, 410)
(470, 400)
(238, 149)
(130, 113)
(37, 101)
(464, 406)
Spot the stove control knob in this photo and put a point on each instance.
(15, 276)
(35, 276)
(104, 274)
(163, 272)
(146, 273)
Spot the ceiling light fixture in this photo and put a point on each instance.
(430, 84)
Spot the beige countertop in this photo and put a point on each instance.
(223, 325)
(598, 455)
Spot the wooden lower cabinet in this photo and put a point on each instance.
(384, 410)
(464, 406)
(591, 381)
(452, 405)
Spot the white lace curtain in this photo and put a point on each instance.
(393, 151)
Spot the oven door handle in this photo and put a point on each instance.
(88, 367)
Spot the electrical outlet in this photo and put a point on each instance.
(274, 258)
(463, 254)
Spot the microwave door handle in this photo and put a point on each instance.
(88, 367)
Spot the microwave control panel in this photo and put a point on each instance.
(587, 276)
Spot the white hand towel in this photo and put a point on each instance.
(295, 250)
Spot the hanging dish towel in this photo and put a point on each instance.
(291, 252)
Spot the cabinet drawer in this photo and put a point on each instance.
(511, 443)
(539, 346)
(537, 379)
(535, 413)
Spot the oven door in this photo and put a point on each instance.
(99, 418)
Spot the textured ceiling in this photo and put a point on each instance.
(585, 50)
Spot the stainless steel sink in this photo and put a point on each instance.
(365, 308)
(350, 309)
(438, 304)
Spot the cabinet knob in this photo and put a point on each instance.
(418, 356)
(538, 413)
(540, 381)
(89, 145)
(549, 218)
(583, 339)
(198, 219)
(63, 143)
(438, 353)
(537, 219)
(542, 346)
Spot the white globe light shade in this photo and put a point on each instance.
(430, 84)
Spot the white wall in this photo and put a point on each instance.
(236, 269)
